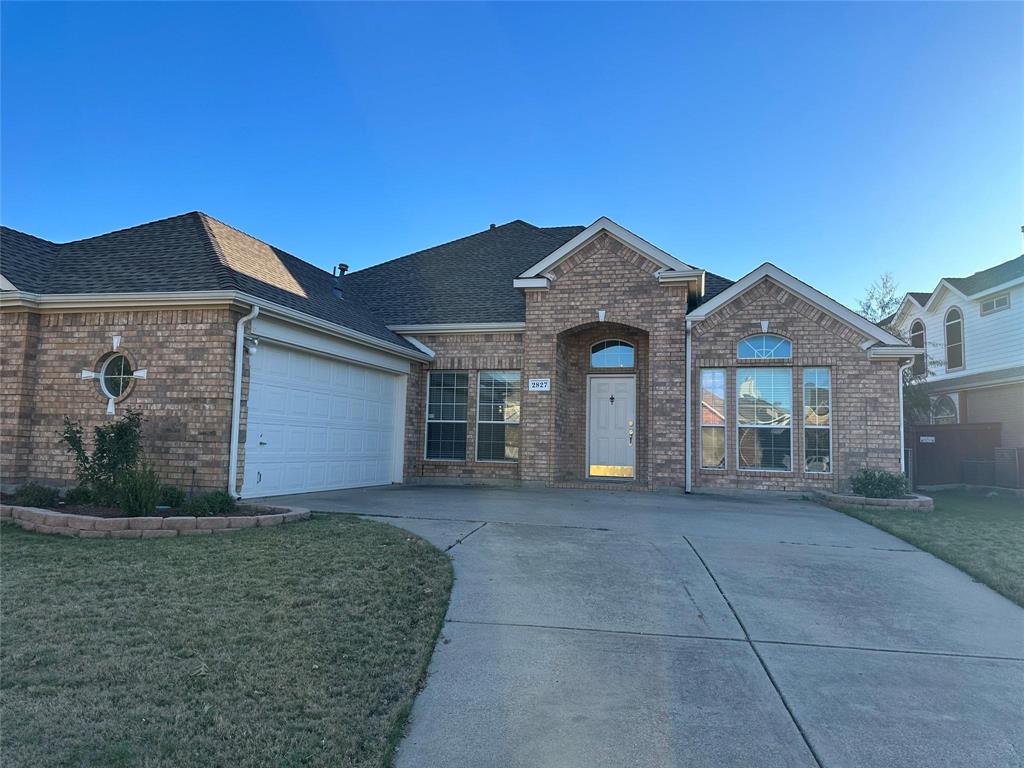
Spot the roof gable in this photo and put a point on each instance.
(801, 289)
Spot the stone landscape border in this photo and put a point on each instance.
(88, 527)
(841, 501)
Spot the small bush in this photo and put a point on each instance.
(35, 495)
(117, 451)
(171, 496)
(879, 484)
(80, 494)
(210, 505)
(139, 492)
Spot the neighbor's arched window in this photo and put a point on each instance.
(764, 346)
(954, 339)
(917, 339)
(944, 410)
(611, 354)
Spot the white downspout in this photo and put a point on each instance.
(903, 450)
(236, 399)
(689, 411)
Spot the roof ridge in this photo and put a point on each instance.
(28, 234)
(129, 229)
(987, 269)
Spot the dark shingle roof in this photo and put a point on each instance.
(465, 281)
(921, 297)
(190, 252)
(989, 278)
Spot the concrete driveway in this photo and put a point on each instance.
(626, 629)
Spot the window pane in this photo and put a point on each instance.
(817, 453)
(611, 354)
(817, 397)
(712, 397)
(497, 442)
(917, 340)
(117, 373)
(498, 399)
(446, 415)
(764, 347)
(765, 396)
(761, 448)
(712, 447)
(446, 440)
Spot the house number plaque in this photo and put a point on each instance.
(540, 385)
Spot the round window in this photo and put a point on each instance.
(115, 376)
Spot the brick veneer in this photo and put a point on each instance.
(606, 275)
(865, 393)
(186, 400)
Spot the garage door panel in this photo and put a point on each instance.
(325, 423)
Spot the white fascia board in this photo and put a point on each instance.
(801, 289)
(530, 282)
(459, 328)
(683, 276)
(908, 303)
(421, 346)
(604, 224)
(7, 285)
(938, 289)
(895, 353)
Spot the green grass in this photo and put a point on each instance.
(981, 535)
(295, 645)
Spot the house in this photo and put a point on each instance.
(972, 329)
(542, 355)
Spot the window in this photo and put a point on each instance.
(115, 376)
(944, 410)
(764, 432)
(995, 304)
(446, 415)
(712, 419)
(954, 339)
(817, 420)
(917, 339)
(764, 347)
(611, 354)
(497, 416)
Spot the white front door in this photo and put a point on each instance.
(611, 426)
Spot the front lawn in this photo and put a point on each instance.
(286, 646)
(979, 534)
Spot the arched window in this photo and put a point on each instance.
(764, 346)
(611, 354)
(917, 339)
(944, 410)
(954, 339)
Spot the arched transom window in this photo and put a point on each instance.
(612, 354)
(764, 346)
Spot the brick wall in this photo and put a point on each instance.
(469, 353)
(865, 394)
(186, 400)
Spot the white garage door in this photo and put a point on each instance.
(316, 423)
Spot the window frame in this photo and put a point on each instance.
(764, 335)
(994, 298)
(831, 418)
(590, 360)
(963, 339)
(479, 421)
(725, 421)
(792, 446)
(920, 359)
(427, 421)
(103, 376)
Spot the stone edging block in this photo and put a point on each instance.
(86, 527)
(840, 501)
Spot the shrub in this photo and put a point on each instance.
(171, 496)
(35, 495)
(80, 494)
(139, 491)
(118, 450)
(879, 484)
(210, 504)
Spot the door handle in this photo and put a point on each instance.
(631, 437)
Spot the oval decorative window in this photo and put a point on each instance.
(611, 354)
(764, 346)
(116, 376)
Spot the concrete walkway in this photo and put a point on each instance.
(625, 629)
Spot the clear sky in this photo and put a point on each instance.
(838, 141)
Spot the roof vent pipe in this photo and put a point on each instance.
(338, 272)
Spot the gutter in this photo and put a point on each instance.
(689, 411)
(236, 400)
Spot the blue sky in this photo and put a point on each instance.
(838, 141)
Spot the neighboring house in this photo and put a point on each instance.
(973, 331)
(548, 355)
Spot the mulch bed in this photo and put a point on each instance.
(91, 510)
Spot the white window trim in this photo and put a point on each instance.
(758, 335)
(792, 451)
(103, 377)
(725, 418)
(963, 339)
(476, 446)
(993, 299)
(427, 421)
(831, 419)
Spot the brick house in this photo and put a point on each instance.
(544, 355)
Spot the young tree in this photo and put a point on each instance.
(881, 300)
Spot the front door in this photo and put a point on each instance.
(611, 426)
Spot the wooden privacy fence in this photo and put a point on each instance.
(942, 454)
